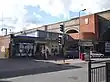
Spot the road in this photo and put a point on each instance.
(73, 75)
(40, 71)
(48, 72)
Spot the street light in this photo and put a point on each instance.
(79, 30)
(5, 30)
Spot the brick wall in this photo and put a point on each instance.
(4, 41)
(89, 27)
(74, 35)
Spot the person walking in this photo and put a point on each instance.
(43, 53)
(46, 54)
(52, 52)
(55, 52)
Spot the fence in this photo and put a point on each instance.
(97, 71)
(108, 71)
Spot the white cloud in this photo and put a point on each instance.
(62, 7)
(37, 16)
(15, 9)
(30, 26)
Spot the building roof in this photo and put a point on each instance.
(104, 11)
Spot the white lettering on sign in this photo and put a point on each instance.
(34, 34)
(107, 47)
(2, 49)
(86, 21)
(87, 44)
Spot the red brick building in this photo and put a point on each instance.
(88, 28)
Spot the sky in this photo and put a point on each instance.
(19, 15)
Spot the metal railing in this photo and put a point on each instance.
(98, 74)
(97, 71)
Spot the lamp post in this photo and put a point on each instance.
(79, 31)
(5, 30)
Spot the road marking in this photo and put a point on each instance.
(12, 78)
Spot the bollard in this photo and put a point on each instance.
(89, 71)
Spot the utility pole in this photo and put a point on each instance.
(2, 19)
(80, 32)
(3, 25)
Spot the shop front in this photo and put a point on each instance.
(25, 46)
(22, 47)
(86, 46)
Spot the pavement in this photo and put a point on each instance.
(43, 71)
(21, 67)
(69, 61)
(73, 75)
(101, 59)
(32, 70)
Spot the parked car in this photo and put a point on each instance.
(71, 53)
(94, 54)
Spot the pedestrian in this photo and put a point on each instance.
(55, 51)
(46, 54)
(47, 51)
(43, 53)
(52, 51)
